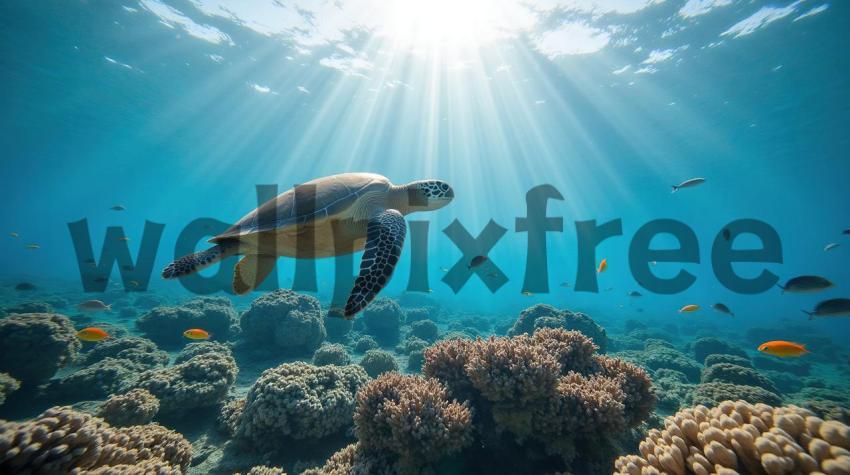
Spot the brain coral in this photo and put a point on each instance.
(411, 418)
(289, 322)
(62, 440)
(299, 401)
(554, 318)
(731, 373)
(376, 362)
(201, 381)
(165, 325)
(35, 345)
(8, 385)
(136, 407)
(739, 437)
(382, 320)
(331, 353)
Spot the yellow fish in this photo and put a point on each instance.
(689, 308)
(783, 349)
(602, 266)
(527, 293)
(124, 238)
(92, 334)
(196, 334)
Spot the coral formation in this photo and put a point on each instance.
(298, 401)
(289, 322)
(136, 407)
(410, 418)
(8, 385)
(659, 354)
(200, 381)
(415, 360)
(705, 346)
(410, 344)
(554, 318)
(425, 330)
(376, 362)
(671, 388)
(201, 348)
(265, 470)
(416, 314)
(739, 437)
(710, 394)
(35, 345)
(96, 380)
(165, 325)
(140, 350)
(62, 440)
(365, 343)
(829, 403)
(331, 353)
(382, 320)
(714, 359)
(29, 307)
(730, 373)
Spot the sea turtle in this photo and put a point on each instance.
(326, 217)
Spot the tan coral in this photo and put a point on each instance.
(136, 407)
(739, 437)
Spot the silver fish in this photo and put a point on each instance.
(118, 208)
(830, 308)
(806, 284)
(93, 306)
(688, 184)
(831, 246)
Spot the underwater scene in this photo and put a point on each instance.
(425, 237)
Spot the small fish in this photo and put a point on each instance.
(831, 246)
(196, 334)
(635, 293)
(25, 286)
(722, 308)
(688, 184)
(846, 231)
(92, 334)
(477, 261)
(430, 291)
(565, 284)
(33, 246)
(806, 284)
(689, 308)
(94, 306)
(14, 235)
(134, 283)
(830, 308)
(444, 269)
(727, 234)
(527, 293)
(603, 266)
(124, 238)
(783, 349)
(118, 208)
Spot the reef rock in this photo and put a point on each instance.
(286, 321)
(33, 346)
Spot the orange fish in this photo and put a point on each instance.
(92, 334)
(689, 308)
(602, 266)
(783, 349)
(196, 334)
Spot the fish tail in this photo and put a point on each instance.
(810, 314)
(675, 189)
(782, 288)
(192, 263)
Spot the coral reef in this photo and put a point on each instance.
(365, 343)
(415, 360)
(730, 373)
(659, 354)
(548, 388)
(710, 394)
(202, 348)
(140, 350)
(137, 407)
(382, 320)
(410, 344)
(416, 314)
(8, 385)
(97, 380)
(705, 346)
(200, 381)
(671, 388)
(265, 470)
(739, 437)
(554, 318)
(35, 345)
(829, 403)
(289, 322)
(298, 401)
(425, 330)
(376, 362)
(165, 325)
(410, 418)
(62, 440)
(331, 353)
(147, 301)
(714, 359)
(29, 307)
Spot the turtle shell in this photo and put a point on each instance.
(333, 196)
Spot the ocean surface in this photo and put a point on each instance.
(160, 112)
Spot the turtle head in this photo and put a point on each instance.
(424, 195)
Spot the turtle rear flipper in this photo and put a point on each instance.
(251, 271)
(195, 262)
(384, 239)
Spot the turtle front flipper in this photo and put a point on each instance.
(384, 239)
(251, 271)
(194, 262)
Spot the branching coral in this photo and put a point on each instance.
(62, 440)
(376, 362)
(331, 353)
(739, 437)
(554, 318)
(201, 381)
(411, 418)
(136, 407)
(289, 322)
(165, 325)
(382, 320)
(35, 345)
(299, 401)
